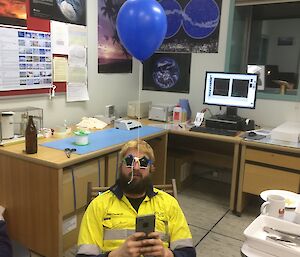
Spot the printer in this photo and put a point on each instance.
(127, 124)
(161, 112)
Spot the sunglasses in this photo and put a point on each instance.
(143, 162)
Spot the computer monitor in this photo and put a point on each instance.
(230, 89)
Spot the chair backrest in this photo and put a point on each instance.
(93, 192)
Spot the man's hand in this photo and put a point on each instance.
(2, 210)
(131, 247)
(154, 247)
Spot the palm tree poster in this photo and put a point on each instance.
(13, 13)
(112, 56)
(193, 25)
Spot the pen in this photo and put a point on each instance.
(179, 125)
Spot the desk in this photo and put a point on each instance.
(266, 166)
(208, 149)
(44, 192)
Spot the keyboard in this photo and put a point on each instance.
(224, 132)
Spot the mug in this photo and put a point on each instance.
(274, 206)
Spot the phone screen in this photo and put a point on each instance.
(145, 223)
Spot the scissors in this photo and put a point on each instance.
(68, 151)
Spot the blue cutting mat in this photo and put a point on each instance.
(102, 139)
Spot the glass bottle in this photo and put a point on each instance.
(31, 137)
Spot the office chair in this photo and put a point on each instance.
(93, 192)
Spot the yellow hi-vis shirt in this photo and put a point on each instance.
(110, 219)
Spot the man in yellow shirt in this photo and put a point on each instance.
(108, 225)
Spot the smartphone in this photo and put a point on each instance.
(145, 223)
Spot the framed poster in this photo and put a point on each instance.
(169, 72)
(193, 25)
(13, 13)
(112, 56)
(68, 11)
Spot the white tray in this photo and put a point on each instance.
(256, 237)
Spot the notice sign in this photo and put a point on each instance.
(26, 59)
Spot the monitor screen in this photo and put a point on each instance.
(230, 89)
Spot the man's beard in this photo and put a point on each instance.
(136, 186)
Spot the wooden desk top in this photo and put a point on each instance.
(56, 158)
(270, 146)
(186, 132)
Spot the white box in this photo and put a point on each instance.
(137, 109)
(257, 237)
(288, 131)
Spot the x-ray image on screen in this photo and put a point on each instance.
(240, 88)
(221, 87)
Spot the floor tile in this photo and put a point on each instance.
(234, 226)
(197, 233)
(201, 213)
(215, 245)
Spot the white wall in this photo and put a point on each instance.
(103, 88)
(201, 63)
(287, 60)
(118, 89)
(267, 113)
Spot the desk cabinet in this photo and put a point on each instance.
(207, 149)
(45, 193)
(264, 166)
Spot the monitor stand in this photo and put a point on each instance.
(230, 115)
(230, 120)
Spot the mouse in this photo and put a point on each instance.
(252, 134)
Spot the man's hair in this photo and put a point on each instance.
(141, 145)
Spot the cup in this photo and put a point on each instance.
(274, 206)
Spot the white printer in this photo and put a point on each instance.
(288, 131)
(127, 124)
(161, 112)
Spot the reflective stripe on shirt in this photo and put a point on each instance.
(181, 243)
(89, 249)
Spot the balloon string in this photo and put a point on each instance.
(131, 174)
(139, 100)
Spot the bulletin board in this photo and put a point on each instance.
(43, 25)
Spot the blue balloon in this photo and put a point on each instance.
(141, 26)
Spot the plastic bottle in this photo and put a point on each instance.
(177, 114)
(31, 137)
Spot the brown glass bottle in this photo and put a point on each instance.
(31, 137)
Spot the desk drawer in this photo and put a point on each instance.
(275, 159)
(258, 179)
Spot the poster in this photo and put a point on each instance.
(112, 56)
(26, 59)
(13, 12)
(193, 26)
(169, 72)
(68, 11)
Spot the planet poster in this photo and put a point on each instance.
(13, 12)
(68, 11)
(112, 56)
(169, 72)
(193, 26)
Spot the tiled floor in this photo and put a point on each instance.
(216, 231)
